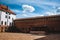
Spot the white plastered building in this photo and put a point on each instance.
(6, 16)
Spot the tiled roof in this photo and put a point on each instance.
(5, 8)
(42, 17)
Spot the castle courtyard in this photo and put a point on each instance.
(24, 36)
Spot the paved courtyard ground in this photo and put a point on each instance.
(19, 36)
(24, 36)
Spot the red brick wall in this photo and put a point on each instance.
(53, 22)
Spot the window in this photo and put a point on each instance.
(6, 16)
(5, 23)
(2, 22)
(10, 24)
(6, 12)
(9, 17)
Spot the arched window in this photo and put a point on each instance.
(6, 16)
(9, 17)
(1, 22)
(10, 23)
(5, 23)
(6, 12)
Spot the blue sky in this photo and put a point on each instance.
(33, 8)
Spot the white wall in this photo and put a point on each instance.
(12, 16)
(4, 19)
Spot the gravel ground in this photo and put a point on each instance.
(19, 36)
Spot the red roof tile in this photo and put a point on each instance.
(5, 8)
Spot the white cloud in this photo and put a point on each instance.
(28, 8)
(50, 13)
(25, 15)
(32, 15)
(28, 15)
(15, 10)
(58, 8)
(37, 15)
